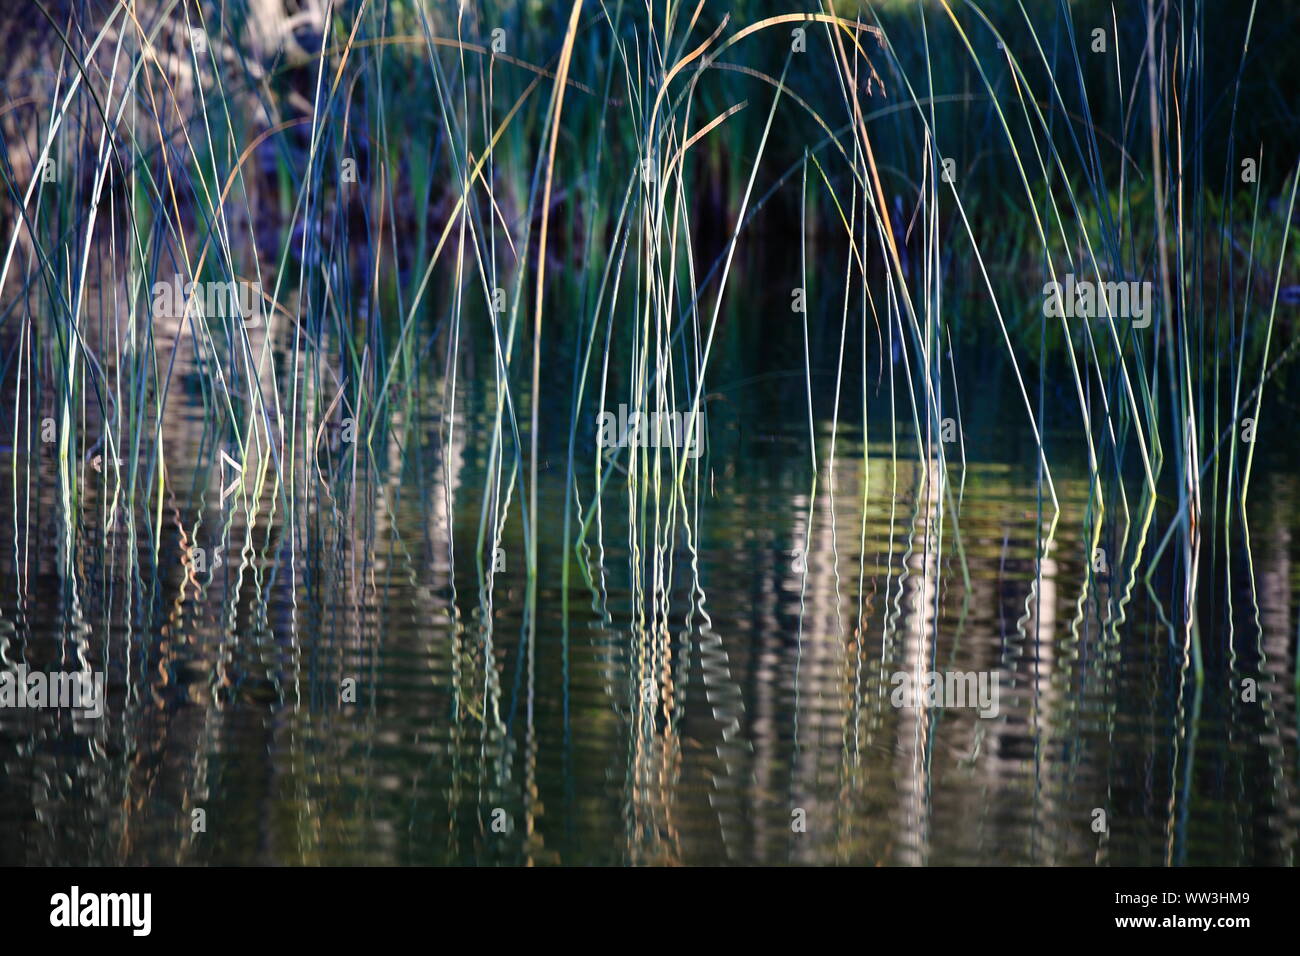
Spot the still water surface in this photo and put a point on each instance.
(749, 718)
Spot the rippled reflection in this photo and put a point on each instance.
(713, 692)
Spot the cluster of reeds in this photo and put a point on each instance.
(558, 196)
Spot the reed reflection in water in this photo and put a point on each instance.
(746, 716)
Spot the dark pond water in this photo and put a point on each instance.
(358, 693)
